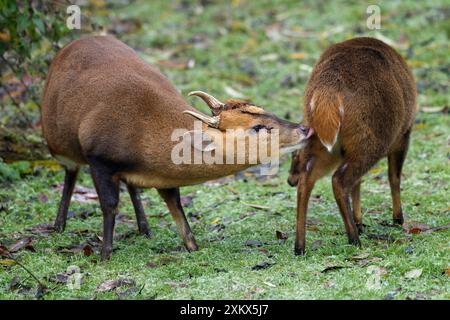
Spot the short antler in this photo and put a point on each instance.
(214, 104)
(210, 121)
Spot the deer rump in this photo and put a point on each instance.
(326, 111)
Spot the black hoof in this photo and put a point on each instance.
(191, 247)
(354, 241)
(59, 228)
(360, 228)
(146, 233)
(399, 221)
(106, 254)
(299, 251)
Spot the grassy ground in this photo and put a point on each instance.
(262, 51)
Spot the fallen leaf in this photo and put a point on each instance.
(246, 215)
(313, 221)
(253, 243)
(281, 235)
(86, 249)
(392, 294)
(361, 256)
(250, 295)
(13, 284)
(40, 291)
(85, 198)
(43, 229)
(186, 201)
(4, 252)
(127, 292)
(262, 265)
(379, 271)
(113, 284)
(5, 36)
(415, 273)
(433, 109)
(256, 206)
(7, 262)
(81, 194)
(194, 216)
(218, 227)
(421, 296)
(332, 267)
(262, 250)
(124, 235)
(298, 55)
(59, 278)
(269, 284)
(329, 284)
(415, 227)
(434, 229)
(26, 243)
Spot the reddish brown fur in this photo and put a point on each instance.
(105, 107)
(377, 93)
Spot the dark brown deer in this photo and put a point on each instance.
(360, 101)
(103, 106)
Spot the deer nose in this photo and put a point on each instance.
(306, 131)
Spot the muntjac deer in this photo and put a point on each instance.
(105, 107)
(360, 102)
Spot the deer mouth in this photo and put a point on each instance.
(293, 147)
(299, 145)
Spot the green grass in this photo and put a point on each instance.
(233, 49)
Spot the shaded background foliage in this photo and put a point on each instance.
(31, 32)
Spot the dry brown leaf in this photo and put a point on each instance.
(26, 243)
(113, 284)
(415, 227)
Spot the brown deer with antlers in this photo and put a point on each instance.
(103, 106)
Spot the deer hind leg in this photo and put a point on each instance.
(395, 164)
(69, 185)
(172, 199)
(344, 180)
(141, 219)
(107, 187)
(311, 168)
(356, 204)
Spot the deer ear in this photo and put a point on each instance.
(200, 140)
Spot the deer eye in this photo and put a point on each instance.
(260, 127)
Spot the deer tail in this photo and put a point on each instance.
(326, 111)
